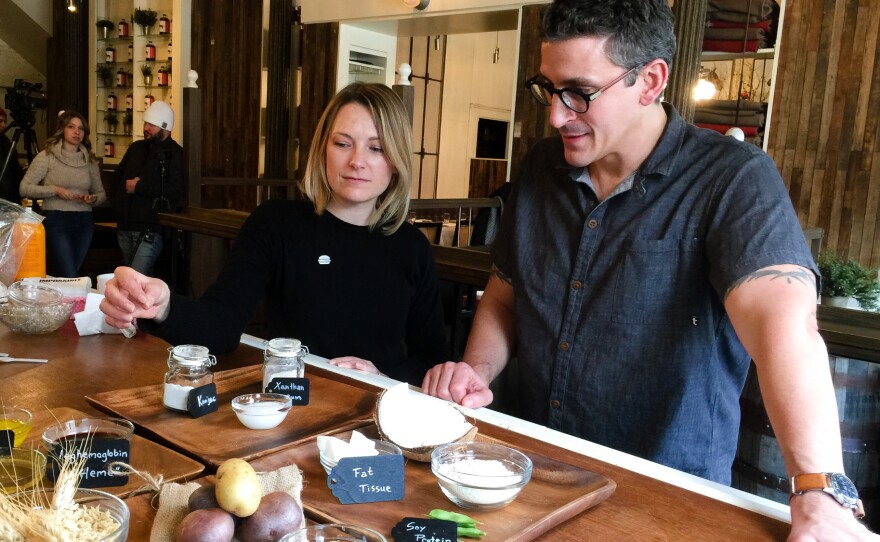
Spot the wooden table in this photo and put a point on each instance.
(644, 507)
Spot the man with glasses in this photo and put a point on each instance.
(642, 262)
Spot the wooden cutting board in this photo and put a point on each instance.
(556, 492)
(146, 455)
(219, 436)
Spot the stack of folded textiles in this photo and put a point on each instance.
(737, 26)
(721, 115)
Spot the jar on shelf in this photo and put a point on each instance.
(112, 102)
(129, 102)
(150, 51)
(121, 78)
(163, 77)
(283, 358)
(110, 54)
(122, 29)
(169, 50)
(130, 52)
(148, 100)
(189, 367)
(109, 149)
(164, 24)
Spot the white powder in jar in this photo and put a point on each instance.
(176, 395)
(486, 473)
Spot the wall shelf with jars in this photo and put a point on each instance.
(133, 67)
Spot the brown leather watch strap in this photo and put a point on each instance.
(818, 481)
(808, 482)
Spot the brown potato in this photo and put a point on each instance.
(202, 498)
(277, 515)
(207, 525)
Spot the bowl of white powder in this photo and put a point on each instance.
(480, 475)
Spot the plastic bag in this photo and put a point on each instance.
(13, 239)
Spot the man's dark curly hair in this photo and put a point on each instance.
(638, 31)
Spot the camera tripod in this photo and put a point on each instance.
(30, 143)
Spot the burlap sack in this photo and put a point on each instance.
(173, 499)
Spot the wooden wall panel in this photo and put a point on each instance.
(226, 45)
(320, 46)
(824, 128)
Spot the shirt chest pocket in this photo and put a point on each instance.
(662, 282)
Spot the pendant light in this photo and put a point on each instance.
(497, 52)
(71, 6)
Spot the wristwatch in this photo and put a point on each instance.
(835, 484)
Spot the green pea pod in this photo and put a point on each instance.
(460, 519)
(470, 532)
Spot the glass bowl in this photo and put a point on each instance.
(18, 420)
(35, 319)
(334, 532)
(480, 475)
(33, 294)
(88, 499)
(62, 434)
(382, 446)
(261, 410)
(21, 470)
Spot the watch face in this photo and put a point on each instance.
(844, 490)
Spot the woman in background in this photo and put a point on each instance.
(65, 176)
(342, 272)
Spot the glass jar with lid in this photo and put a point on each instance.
(189, 367)
(283, 358)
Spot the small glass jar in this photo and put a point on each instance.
(188, 368)
(283, 358)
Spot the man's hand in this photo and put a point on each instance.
(358, 364)
(130, 295)
(130, 184)
(817, 517)
(457, 382)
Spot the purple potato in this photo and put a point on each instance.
(277, 515)
(202, 498)
(206, 525)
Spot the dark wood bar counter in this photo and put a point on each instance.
(650, 502)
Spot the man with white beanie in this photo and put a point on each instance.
(148, 181)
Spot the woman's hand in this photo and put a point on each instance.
(358, 364)
(89, 198)
(130, 295)
(64, 193)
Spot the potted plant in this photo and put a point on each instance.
(146, 18)
(112, 121)
(845, 279)
(104, 27)
(127, 121)
(147, 72)
(105, 74)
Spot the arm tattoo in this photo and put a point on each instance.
(800, 274)
(501, 275)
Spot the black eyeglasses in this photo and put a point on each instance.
(574, 99)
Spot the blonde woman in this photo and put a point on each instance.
(343, 272)
(65, 176)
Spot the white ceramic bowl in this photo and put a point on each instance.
(261, 410)
(382, 446)
(480, 475)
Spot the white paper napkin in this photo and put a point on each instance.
(91, 320)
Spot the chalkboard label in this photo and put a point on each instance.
(202, 400)
(425, 530)
(98, 454)
(295, 388)
(367, 479)
(7, 441)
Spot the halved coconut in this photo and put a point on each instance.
(418, 423)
